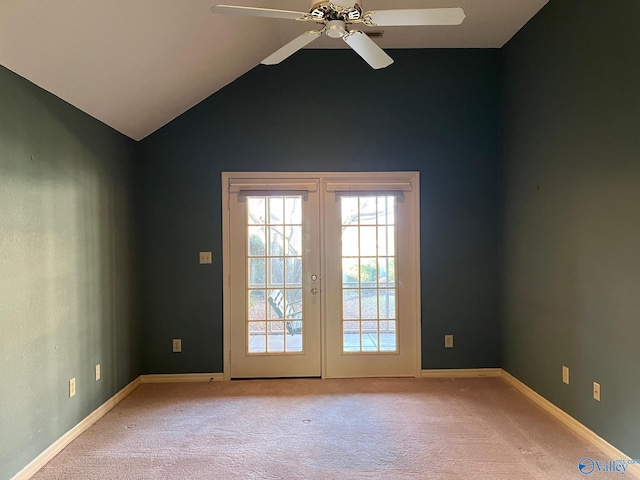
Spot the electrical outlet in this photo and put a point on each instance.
(97, 372)
(177, 345)
(596, 391)
(205, 257)
(72, 387)
(565, 375)
(448, 341)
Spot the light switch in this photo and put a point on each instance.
(448, 341)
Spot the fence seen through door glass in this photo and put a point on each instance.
(369, 320)
(275, 318)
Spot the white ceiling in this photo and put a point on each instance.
(137, 64)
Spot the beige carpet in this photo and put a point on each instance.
(478, 428)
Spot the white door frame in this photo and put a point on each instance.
(379, 177)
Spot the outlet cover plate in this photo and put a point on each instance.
(98, 372)
(565, 375)
(177, 345)
(205, 258)
(596, 391)
(448, 341)
(72, 387)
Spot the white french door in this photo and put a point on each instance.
(274, 255)
(371, 264)
(321, 274)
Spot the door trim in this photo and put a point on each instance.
(392, 177)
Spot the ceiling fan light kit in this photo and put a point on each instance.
(335, 18)
(335, 29)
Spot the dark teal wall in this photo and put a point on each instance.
(67, 281)
(435, 111)
(566, 86)
(572, 218)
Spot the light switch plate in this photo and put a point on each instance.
(448, 341)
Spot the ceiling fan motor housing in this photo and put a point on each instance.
(327, 11)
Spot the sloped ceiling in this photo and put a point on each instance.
(137, 64)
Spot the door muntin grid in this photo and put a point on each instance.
(275, 319)
(369, 291)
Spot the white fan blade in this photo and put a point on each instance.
(425, 16)
(259, 12)
(367, 49)
(292, 47)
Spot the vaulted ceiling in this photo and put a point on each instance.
(136, 65)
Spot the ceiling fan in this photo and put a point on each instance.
(336, 18)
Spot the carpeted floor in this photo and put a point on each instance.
(474, 428)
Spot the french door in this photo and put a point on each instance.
(321, 274)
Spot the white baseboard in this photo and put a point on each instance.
(609, 450)
(56, 447)
(573, 424)
(182, 378)
(461, 372)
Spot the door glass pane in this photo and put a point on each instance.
(256, 208)
(292, 211)
(351, 336)
(276, 271)
(387, 214)
(367, 212)
(257, 275)
(368, 241)
(350, 304)
(350, 273)
(293, 277)
(369, 304)
(384, 266)
(274, 288)
(350, 241)
(276, 210)
(257, 304)
(293, 237)
(349, 209)
(368, 274)
(276, 241)
(386, 303)
(256, 241)
(388, 337)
